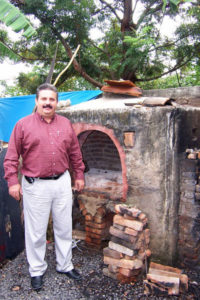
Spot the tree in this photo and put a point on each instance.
(131, 46)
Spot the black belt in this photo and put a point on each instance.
(32, 179)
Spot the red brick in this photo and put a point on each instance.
(112, 253)
(131, 231)
(154, 265)
(140, 241)
(93, 235)
(123, 263)
(107, 273)
(93, 241)
(128, 272)
(126, 216)
(129, 139)
(113, 269)
(142, 216)
(125, 280)
(122, 235)
(81, 205)
(88, 217)
(147, 236)
(120, 227)
(95, 225)
(124, 209)
(136, 225)
(99, 219)
(121, 248)
(94, 230)
(84, 212)
(101, 211)
(124, 243)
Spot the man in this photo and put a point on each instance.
(48, 147)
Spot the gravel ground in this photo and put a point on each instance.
(15, 280)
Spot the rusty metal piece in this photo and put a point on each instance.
(126, 83)
(125, 87)
(157, 101)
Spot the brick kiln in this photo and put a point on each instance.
(135, 154)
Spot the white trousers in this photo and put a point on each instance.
(39, 198)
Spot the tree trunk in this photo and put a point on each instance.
(127, 23)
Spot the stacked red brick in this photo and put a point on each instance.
(95, 226)
(165, 280)
(128, 249)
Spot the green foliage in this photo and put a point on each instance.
(130, 47)
(11, 16)
(173, 4)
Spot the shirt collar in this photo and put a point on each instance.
(43, 120)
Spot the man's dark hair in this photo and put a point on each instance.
(46, 86)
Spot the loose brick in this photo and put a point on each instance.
(183, 283)
(136, 225)
(154, 265)
(126, 216)
(130, 257)
(124, 243)
(128, 272)
(120, 227)
(124, 209)
(121, 234)
(142, 216)
(171, 283)
(112, 253)
(131, 231)
(123, 263)
(107, 273)
(113, 269)
(120, 248)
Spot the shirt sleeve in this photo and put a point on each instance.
(75, 158)
(11, 161)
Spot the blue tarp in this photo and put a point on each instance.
(14, 108)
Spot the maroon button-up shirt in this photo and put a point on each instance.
(46, 148)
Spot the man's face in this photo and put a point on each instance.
(46, 103)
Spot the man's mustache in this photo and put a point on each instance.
(47, 106)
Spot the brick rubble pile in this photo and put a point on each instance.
(128, 249)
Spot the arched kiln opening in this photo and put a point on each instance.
(105, 181)
(103, 171)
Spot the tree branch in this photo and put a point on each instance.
(112, 9)
(176, 67)
(75, 63)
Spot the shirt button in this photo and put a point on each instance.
(53, 153)
(54, 164)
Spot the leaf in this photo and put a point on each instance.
(5, 51)
(11, 16)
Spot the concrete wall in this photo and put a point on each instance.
(181, 92)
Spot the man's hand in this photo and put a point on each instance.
(15, 191)
(79, 184)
